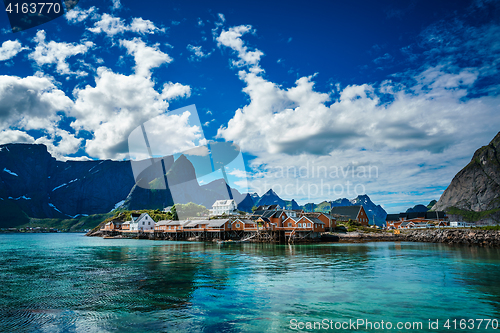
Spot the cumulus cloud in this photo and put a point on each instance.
(30, 103)
(232, 39)
(175, 90)
(198, 53)
(182, 129)
(114, 107)
(77, 15)
(142, 26)
(33, 103)
(57, 53)
(15, 136)
(60, 144)
(410, 129)
(10, 49)
(111, 26)
(146, 57)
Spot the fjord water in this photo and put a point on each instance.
(73, 283)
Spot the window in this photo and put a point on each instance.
(299, 225)
(289, 224)
(309, 225)
(237, 225)
(143, 223)
(149, 223)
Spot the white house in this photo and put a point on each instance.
(227, 207)
(460, 224)
(142, 222)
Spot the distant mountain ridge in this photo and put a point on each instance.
(34, 184)
(376, 214)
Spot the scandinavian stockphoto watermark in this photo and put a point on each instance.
(310, 180)
(171, 157)
(178, 136)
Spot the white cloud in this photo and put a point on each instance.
(15, 136)
(30, 103)
(146, 57)
(175, 90)
(142, 26)
(117, 4)
(10, 49)
(66, 144)
(115, 106)
(182, 134)
(198, 53)
(232, 39)
(110, 25)
(418, 133)
(207, 123)
(57, 53)
(77, 15)
(240, 173)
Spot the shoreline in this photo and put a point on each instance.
(470, 237)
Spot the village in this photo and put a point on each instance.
(270, 223)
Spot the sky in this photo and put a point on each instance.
(325, 99)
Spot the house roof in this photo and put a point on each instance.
(392, 217)
(317, 214)
(195, 223)
(314, 219)
(268, 207)
(163, 222)
(216, 223)
(222, 203)
(422, 215)
(293, 218)
(141, 217)
(421, 224)
(350, 212)
(246, 221)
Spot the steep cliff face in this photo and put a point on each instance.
(477, 186)
(43, 187)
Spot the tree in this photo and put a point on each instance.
(254, 208)
(173, 211)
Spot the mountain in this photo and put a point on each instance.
(376, 214)
(35, 183)
(181, 186)
(417, 209)
(431, 204)
(255, 198)
(246, 203)
(476, 188)
(271, 198)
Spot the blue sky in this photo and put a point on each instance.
(326, 100)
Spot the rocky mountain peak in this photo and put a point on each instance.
(477, 186)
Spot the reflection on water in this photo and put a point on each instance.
(71, 283)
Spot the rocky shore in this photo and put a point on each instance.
(362, 237)
(454, 236)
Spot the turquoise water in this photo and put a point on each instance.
(72, 283)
